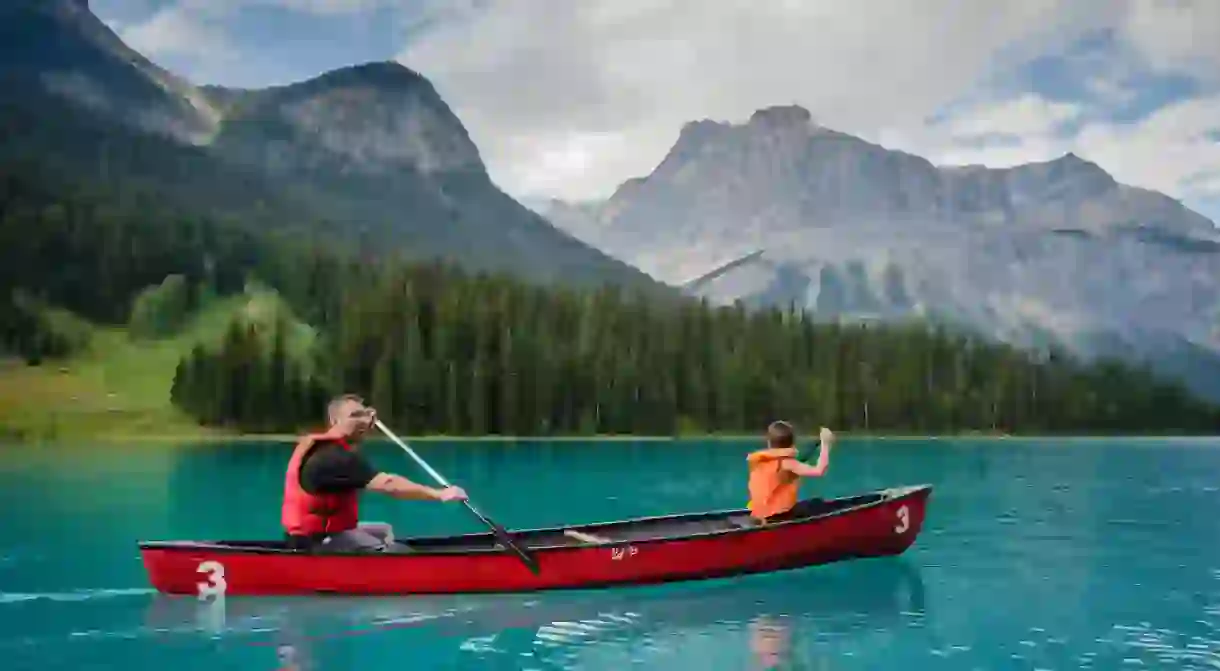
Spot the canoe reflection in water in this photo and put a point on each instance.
(840, 602)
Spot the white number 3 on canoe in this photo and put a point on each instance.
(904, 520)
(215, 585)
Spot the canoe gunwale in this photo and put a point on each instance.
(421, 545)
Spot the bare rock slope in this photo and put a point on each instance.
(779, 210)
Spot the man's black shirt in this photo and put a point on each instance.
(330, 469)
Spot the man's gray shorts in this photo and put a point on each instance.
(367, 537)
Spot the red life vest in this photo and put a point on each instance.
(305, 514)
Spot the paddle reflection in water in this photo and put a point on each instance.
(777, 613)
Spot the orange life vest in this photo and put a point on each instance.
(305, 514)
(772, 489)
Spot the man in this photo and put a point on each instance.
(325, 477)
(776, 472)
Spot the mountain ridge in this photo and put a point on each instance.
(369, 154)
(63, 46)
(779, 210)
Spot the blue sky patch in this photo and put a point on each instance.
(1087, 73)
(273, 44)
(293, 46)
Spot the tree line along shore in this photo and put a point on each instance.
(444, 351)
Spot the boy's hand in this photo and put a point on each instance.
(826, 436)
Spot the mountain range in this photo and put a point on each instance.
(368, 156)
(779, 210)
(774, 211)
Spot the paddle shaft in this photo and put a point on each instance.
(496, 529)
(440, 479)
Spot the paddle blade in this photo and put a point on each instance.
(526, 558)
(507, 541)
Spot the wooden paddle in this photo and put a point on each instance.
(530, 562)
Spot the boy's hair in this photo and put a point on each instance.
(780, 435)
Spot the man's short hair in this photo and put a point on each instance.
(780, 434)
(332, 408)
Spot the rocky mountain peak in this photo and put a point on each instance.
(390, 75)
(782, 116)
(373, 118)
(701, 130)
(767, 119)
(1056, 249)
(1072, 162)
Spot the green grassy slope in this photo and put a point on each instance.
(118, 387)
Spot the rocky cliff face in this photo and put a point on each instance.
(780, 210)
(369, 154)
(373, 119)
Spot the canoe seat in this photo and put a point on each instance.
(586, 538)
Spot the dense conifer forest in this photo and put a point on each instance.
(445, 351)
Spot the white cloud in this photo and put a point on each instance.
(196, 33)
(1172, 150)
(568, 99)
(995, 133)
(195, 28)
(1176, 34)
(1169, 151)
(1023, 116)
(184, 29)
(323, 7)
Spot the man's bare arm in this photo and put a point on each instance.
(402, 488)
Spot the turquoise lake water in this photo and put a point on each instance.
(1048, 554)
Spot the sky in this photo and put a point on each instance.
(569, 98)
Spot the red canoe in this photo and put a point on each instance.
(639, 551)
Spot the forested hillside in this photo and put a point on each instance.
(446, 351)
(442, 352)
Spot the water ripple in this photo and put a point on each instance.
(75, 595)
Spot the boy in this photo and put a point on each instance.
(776, 472)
